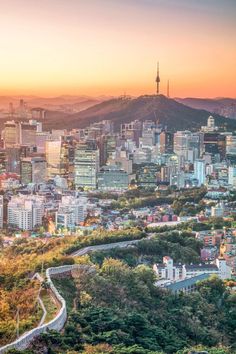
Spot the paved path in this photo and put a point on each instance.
(103, 247)
(44, 312)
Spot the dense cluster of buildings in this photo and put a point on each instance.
(97, 157)
(213, 240)
(105, 158)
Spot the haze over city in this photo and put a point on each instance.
(101, 47)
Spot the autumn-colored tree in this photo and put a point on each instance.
(102, 348)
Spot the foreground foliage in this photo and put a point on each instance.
(119, 307)
(18, 291)
(181, 246)
(19, 262)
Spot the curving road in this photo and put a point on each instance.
(107, 246)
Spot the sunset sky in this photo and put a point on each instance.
(95, 47)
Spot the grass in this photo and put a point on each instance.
(50, 305)
(67, 289)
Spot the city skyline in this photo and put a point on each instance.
(111, 47)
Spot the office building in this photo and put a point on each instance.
(38, 113)
(166, 142)
(165, 173)
(11, 133)
(3, 161)
(132, 130)
(199, 171)
(33, 170)
(187, 145)
(215, 144)
(86, 165)
(147, 176)
(28, 132)
(112, 178)
(14, 156)
(231, 144)
(41, 138)
(57, 157)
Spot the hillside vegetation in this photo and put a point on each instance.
(123, 110)
(118, 308)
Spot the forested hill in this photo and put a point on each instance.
(123, 110)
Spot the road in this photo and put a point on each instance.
(107, 246)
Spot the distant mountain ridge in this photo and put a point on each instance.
(58, 102)
(221, 105)
(123, 110)
(172, 113)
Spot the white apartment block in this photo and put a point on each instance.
(25, 212)
(71, 211)
(176, 272)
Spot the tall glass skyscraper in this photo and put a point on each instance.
(86, 165)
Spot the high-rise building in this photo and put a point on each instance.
(181, 139)
(14, 156)
(86, 165)
(232, 176)
(11, 134)
(121, 158)
(200, 171)
(28, 132)
(166, 173)
(3, 161)
(38, 113)
(148, 134)
(215, 144)
(142, 156)
(33, 170)
(71, 211)
(112, 178)
(41, 138)
(187, 145)
(107, 148)
(166, 142)
(57, 157)
(210, 127)
(177, 177)
(23, 133)
(132, 130)
(147, 176)
(211, 122)
(231, 144)
(25, 212)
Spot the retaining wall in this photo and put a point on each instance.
(59, 321)
(56, 324)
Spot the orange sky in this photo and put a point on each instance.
(94, 47)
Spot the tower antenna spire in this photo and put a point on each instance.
(158, 79)
(168, 88)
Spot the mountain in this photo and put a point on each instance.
(123, 110)
(64, 102)
(223, 106)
